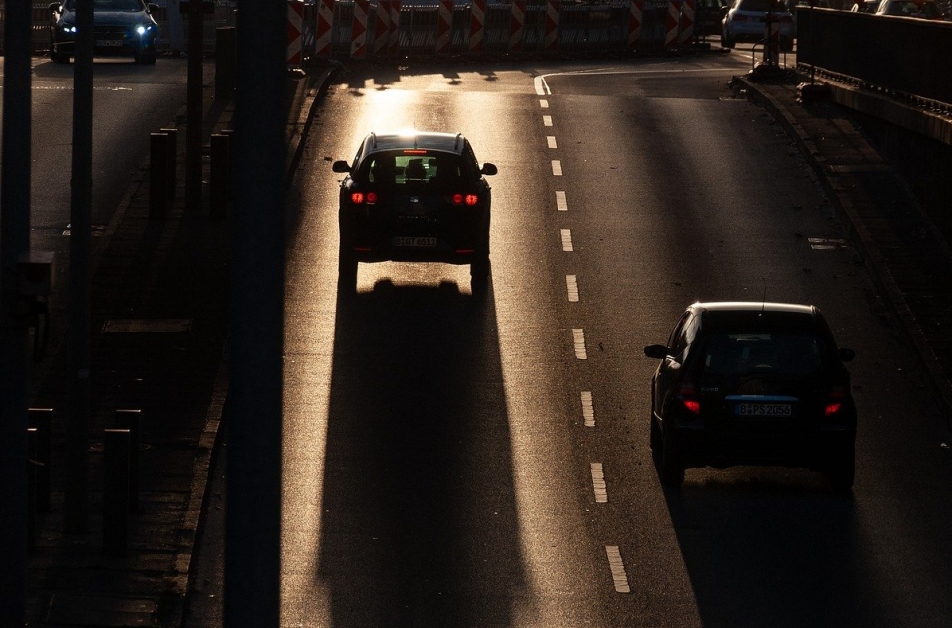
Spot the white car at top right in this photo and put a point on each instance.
(921, 9)
(746, 21)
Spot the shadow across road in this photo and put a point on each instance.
(419, 521)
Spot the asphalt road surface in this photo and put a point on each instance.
(450, 462)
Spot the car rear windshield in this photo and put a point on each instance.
(761, 6)
(420, 169)
(786, 355)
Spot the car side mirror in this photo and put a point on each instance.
(54, 7)
(846, 355)
(340, 166)
(489, 169)
(658, 352)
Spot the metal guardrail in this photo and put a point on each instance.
(899, 55)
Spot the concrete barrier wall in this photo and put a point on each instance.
(899, 55)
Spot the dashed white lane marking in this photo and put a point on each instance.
(560, 201)
(566, 239)
(588, 409)
(544, 103)
(598, 483)
(571, 287)
(547, 120)
(617, 566)
(556, 167)
(551, 140)
(578, 340)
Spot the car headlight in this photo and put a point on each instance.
(69, 28)
(144, 29)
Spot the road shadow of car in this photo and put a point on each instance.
(419, 520)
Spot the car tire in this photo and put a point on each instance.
(842, 470)
(655, 438)
(479, 272)
(726, 42)
(146, 58)
(58, 57)
(346, 271)
(672, 469)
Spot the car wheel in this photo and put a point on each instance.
(842, 470)
(726, 42)
(58, 57)
(655, 439)
(346, 271)
(672, 469)
(479, 273)
(146, 58)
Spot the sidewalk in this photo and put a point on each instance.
(903, 250)
(159, 293)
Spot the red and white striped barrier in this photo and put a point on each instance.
(671, 24)
(394, 47)
(636, 18)
(444, 23)
(295, 53)
(687, 22)
(553, 9)
(358, 41)
(323, 34)
(382, 27)
(517, 25)
(477, 25)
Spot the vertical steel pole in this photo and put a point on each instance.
(14, 335)
(253, 524)
(193, 109)
(76, 499)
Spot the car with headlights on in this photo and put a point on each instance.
(752, 383)
(746, 21)
(121, 27)
(414, 196)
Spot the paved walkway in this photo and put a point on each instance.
(159, 320)
(159, 302)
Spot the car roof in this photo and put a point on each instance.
(448, 142)
(757, 315)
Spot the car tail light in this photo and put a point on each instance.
(465, 199)
(359, 198)
(835, 401)
(688, 397)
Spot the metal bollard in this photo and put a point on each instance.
(129, 419)
(42, 420)
(172, 162)
(115, 494)
(218, 177)
(225, 61)
(158, 176)
(31, 473)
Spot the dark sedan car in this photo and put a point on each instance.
(122, 28)
(752, 384)
(418, 197)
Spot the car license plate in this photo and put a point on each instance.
(413, 241)
(764, 409)
(108, 42)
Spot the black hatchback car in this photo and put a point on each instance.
(416, 196)
(752, 384)
(122, 28)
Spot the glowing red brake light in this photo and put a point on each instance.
(835, 402)
(356, 198)
(688, 397)
(471, 199)
(465, 199)
(371, 198)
